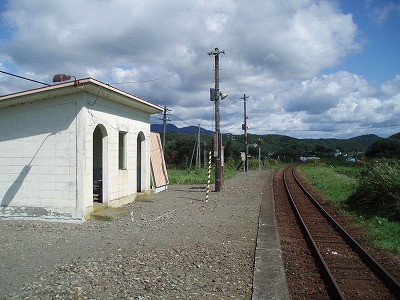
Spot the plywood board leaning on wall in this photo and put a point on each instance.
(159, 173)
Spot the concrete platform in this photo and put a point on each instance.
(269, 280)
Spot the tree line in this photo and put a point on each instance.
(181, 149)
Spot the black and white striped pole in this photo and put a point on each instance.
(209, 176)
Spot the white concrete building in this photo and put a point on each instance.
(64, 146)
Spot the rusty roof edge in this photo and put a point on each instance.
(78, 83)
(121, 92)
(36, 90)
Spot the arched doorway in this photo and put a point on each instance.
(100, 177)
(140, 163)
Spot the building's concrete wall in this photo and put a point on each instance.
(46, 156)
(119, 186)
(38, 160)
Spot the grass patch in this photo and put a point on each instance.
(338, 184)
(386, 233)
(196, 176)
(349, 171)
(274, 166)
(332, 182)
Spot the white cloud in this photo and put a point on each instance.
(354, 105)
(283, 40)
(295, 42)
(381, 13)
(324, 92)
(277, 51)
(392, 87)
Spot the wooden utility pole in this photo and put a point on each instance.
(217, 137)
(198, 154)
(205, 154)
(244, 127)
(164, 126)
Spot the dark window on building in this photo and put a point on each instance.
(122, 150)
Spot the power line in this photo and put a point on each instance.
(159, 78)
(144, 81)
(232, 73)
(234, 127)
(24, 78)
(182, 120)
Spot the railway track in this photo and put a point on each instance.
(347, 270)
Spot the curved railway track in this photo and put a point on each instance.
(347, 270)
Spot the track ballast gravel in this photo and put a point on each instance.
(170, 245)
(302, 276)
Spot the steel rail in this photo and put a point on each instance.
(391, 283)
(333, 287)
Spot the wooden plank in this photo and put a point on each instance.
(158, 166)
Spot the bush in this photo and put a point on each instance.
(378, 191)
(387, 148)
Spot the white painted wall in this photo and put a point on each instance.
(115, 118)
(46, 156)
(38, 159)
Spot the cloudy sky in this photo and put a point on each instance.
(327, 68)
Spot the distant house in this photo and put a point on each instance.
(304, 158)
(64, 146)
(351, 159)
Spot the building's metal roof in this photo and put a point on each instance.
(86, 85)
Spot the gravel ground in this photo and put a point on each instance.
(171, 245)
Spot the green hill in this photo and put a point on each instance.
(274, 142)
(181, 147)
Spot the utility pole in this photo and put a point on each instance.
(165, 119)
(205, 154)
(244, 127)
(259, 143)
(217, 138)
(198, 155)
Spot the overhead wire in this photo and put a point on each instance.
(233, 76)
(181, 120)
(234, 127)
(24, 78)
(132, 82)
(159, 78)
(187, 123)
(144, 81)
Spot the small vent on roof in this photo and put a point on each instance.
(63, 77)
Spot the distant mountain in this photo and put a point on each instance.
(395, 136)
(358, 142)
(366, 140)
(172, 128)
(274, 142)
